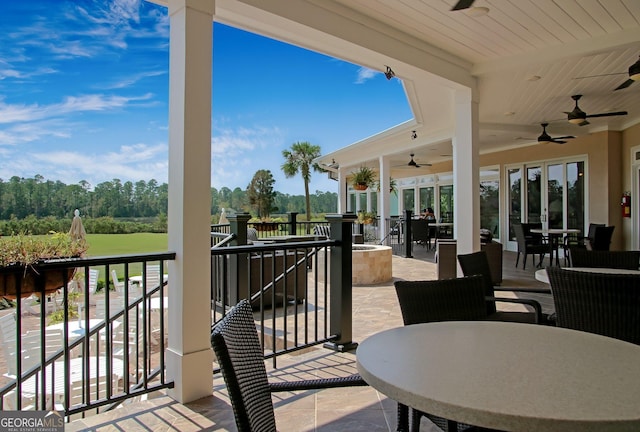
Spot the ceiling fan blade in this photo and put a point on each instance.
(624, 85)
(557, 141)
(611, 114)
(564, 137)
(462, 4)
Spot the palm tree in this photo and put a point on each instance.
(300, 159)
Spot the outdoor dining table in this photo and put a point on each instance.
(554, 235)
(507, 376)
(542, 275)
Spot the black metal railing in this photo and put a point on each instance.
(96, 342)
(298, 302)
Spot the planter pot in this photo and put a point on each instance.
(30, 278)
(266, 226)
(360, 186)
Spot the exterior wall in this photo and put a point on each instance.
(630, 139)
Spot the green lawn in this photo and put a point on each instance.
(125, 244)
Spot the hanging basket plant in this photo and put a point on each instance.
(21, 259)
(364, 178)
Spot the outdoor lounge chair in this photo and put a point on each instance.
(237, 347)
(458, 299)
(601, 303)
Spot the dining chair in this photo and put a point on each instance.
(601, 303)
(477, 263)
(576, 241)
(238, 351)
(456, 299)
(580, 257)
(529, 244)
(420, 232)
(601, 238)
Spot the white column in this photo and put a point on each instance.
(342, 191)
(466, 174)
(384, 199)
(189, 354)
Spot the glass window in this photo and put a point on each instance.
(408, 200)
(362, 201)
(555, 188)
(446, 203)
(575, 195)
(490, 206)
(352, 203)
(426, 197)
(374, 202)
(534, 189)
(515, 193)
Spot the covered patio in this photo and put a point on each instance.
(355, 409)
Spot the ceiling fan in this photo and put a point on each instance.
(544, 138)
(413, 164)
(634, 75)
(579, 117)
(462, 4)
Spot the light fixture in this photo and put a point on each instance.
(414, 135)
(389, 73)
(477, 11)
(634, 71)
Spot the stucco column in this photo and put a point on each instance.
(384, 199)
(466, 174)
(189, 354)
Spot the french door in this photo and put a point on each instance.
(552, 193)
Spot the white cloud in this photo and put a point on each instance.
(130, 80)
(365, 74)
(11, 113)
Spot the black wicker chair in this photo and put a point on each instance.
(529, 244)
(237, 347)
(477, 263)
(581, 257)
(460, 299)
(601, 303)
(601, 238)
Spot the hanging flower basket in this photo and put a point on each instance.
(21, 263)
(360, 186)
(29, 278)
(266, 226)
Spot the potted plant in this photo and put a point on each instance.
(21, 255)
(364, 178)
(365, 217)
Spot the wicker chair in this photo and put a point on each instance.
(459, 299)
(601, 238)
(237, 347)
(476, 263)
(601, 303)
(581, 257)
(528, 244)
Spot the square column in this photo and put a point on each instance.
(466, 174)
(189, 354)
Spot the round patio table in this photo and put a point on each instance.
(507, 376)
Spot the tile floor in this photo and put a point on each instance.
(342, 409)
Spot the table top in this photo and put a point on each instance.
(552, 231)
(542, 276)
(97, 369)
(507, 376)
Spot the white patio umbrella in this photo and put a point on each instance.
(77, 231)
(223, 217)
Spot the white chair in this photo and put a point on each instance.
(134, 291)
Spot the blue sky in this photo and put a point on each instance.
(84, 96)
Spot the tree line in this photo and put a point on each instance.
(41, 198)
